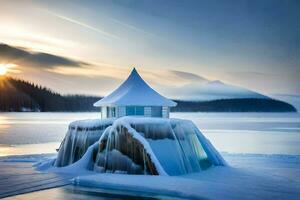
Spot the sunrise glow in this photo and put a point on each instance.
(3, 70)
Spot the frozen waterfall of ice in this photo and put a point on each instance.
(81, 134)
(156, 146)
(139, 145)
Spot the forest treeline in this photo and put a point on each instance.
(234, 105)
(19, 95)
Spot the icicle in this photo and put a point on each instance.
(144, 159)
(133, 145)
(80, 136)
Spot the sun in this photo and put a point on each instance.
(8, 68)
(3, 70)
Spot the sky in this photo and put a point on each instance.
(90, 47)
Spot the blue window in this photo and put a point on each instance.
(139, 110)
(156, 111)
(134, 110)
(129, 110)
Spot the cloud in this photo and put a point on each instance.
(188, 76)
(155, 77)
(132, 27)
(91, 71)
(84, 25)
(25, 57)
(70, 76)
(250, 74)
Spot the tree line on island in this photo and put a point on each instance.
(19, 95)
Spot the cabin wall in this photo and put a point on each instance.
(148, 111)
(156, 111)
(103, 112)
(109, 112)
(112, 112)
(165, 112)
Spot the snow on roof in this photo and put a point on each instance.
(134, 92)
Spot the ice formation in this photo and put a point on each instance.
(139, 145)
(80, 136)
(155, 146)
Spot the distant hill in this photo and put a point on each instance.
(292, 99)
(19, 95)
(212, 90)
(234, 105)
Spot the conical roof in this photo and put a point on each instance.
(134, 92)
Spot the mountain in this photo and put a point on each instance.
(213, 90)
(18, 95)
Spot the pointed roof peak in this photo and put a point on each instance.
(135, 91)
(134, 72)
(134, 76)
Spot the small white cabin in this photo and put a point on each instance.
(134, 97)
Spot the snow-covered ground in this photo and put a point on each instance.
(250, 176)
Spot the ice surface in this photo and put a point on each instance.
(17, 175)
(251, 176)
(80, 136)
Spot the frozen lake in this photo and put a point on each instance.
(243, 138)
(262, 133)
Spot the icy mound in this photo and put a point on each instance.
(155, 146)
(80, 136)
